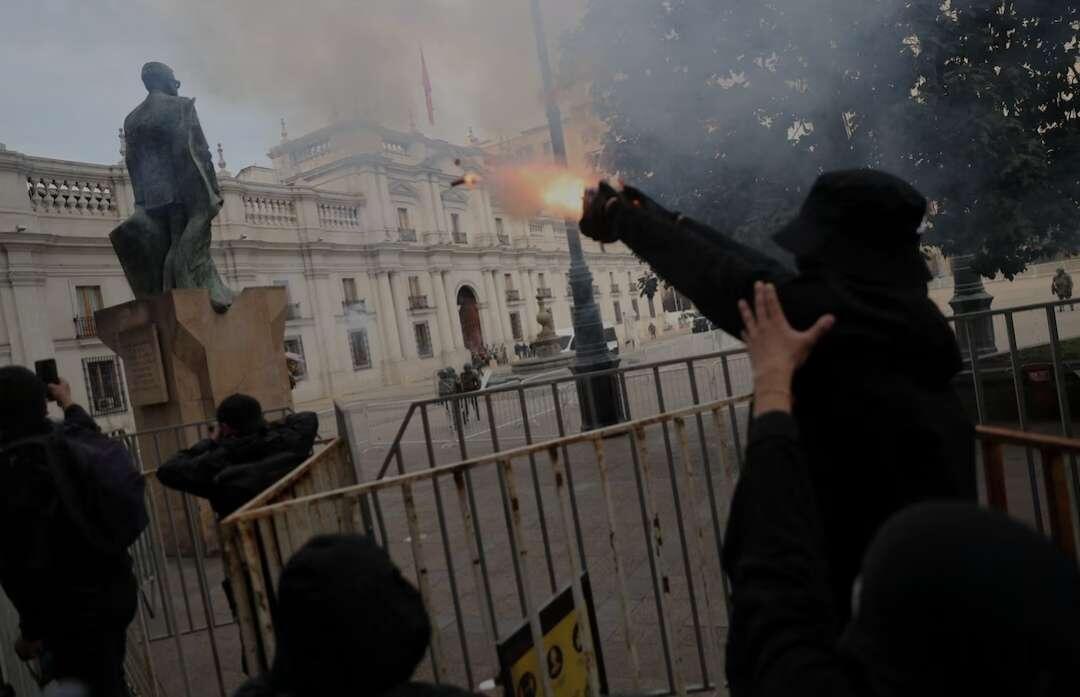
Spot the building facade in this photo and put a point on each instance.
(391, 272)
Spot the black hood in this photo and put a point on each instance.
(959, 600)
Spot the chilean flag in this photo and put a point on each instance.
(427, 89)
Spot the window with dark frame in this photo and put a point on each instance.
(515, 326)
(423, 340)
(89, 300)
(295, 344)
(618, 312)
(637, 310)
(348, 287)
(403, 219)
(652, 309)
(104, 385)
(358, 346)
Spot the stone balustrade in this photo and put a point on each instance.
(268, 210)
(71, 196)
(460, 238)
(337, 216)
(433, 239)
(407, 234)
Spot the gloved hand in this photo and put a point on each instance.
(601, 208)
(608, 211)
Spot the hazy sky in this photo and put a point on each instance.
(69, 69)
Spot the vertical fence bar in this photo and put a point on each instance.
(259, 588)
(576, 570)
(681, 527)
(620, 578)
(656, 546)
(447, 554)
(714, 643)
(531, 610)
(732, 414)
(1057, 501)
(973, 357)
(200, 574)
(536, 491)
(491, 626)
(176, 542)
(1021, 410)
(1063, 398)
(249, 639)
(518, 581)
(710, 489)
(423, 582)
(166, 586)
(569, 474)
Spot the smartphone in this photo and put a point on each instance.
(46, 370)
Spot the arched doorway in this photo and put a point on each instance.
(469, 313)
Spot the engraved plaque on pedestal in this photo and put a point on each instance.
(143, 366)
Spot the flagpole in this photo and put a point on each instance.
(599, 397)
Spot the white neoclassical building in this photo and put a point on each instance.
(391, 272)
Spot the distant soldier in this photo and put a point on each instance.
(1061, 286)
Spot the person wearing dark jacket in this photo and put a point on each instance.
(951, 600)
(71, 503)
(346, 623)
(882, 426)
(243, 456)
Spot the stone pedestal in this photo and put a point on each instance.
(181, 358)
(969, 296)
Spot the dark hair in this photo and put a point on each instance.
(241, 413)
(23, 402)
(347, 621)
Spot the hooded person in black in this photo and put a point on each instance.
(71, 503)
(882, 427)
(243, 456)
(951, 599)
(346, 623)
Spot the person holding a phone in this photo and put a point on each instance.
(71, 503)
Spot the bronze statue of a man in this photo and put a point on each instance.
(165, 244)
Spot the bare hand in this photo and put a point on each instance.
(776, 349)
(60, 392)
(27, 650)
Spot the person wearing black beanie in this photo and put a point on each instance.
(951, 599)
(346, 623)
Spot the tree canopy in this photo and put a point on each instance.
(728, 110)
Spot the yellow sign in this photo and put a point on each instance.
(564, 653)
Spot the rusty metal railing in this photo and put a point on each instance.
(1055, 479)
(666, 596)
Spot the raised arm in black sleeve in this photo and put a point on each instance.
(708, 267)
(193, 470)
(783, 628)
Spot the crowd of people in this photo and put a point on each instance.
(860, 563)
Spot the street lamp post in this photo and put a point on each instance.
(599, 396)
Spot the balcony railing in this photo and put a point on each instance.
(460, 238)
(358, 305)
(595, 289)
(85, 328)
(504, 240)
(406, 234)
(418, 302)
(513, 295)
(292, 311)
(615, 290)
(543, 293)
(436, 238)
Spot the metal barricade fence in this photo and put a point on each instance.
(528, 521)
(447, 429)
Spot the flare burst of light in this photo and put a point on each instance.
(469, 179)
(563, 194)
